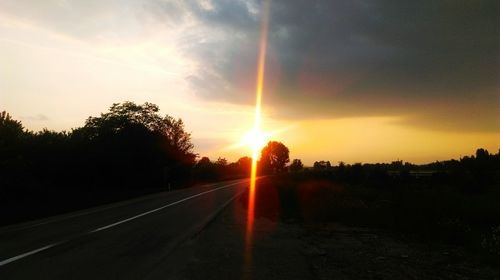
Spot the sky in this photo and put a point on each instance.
(352, 81)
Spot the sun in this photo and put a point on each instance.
(255, 139)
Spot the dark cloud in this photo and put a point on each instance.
(231, 14)
(226, 50)
(423, 59)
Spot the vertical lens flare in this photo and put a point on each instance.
(258, 101)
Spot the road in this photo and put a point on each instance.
(125, 240)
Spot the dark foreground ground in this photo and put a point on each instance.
(292, 240)
(306, 226)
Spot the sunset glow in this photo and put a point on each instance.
(201, 68)
(255, 139)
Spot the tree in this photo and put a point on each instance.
(172, 133)
(134, 144)
(12, 143)
(204, 161)
(222, 162)
(322, 165)
(482, 154)
(11, 130)
(296, 165)
(205, 169)
(274, 157)
(244, 165)
(130, 116)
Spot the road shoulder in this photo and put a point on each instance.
(218, 251)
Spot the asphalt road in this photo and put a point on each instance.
(127, 240)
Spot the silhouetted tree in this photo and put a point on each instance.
(133, 144)
(11, 130)
(12, 156)
(244, 166)
(222, 162)
(204, 161)
(11, 137)
(130, 116)
(274, 157)
(322, 165)
(296, 165)
(482, 153)
(205, 170)
(222, 168)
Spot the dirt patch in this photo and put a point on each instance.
(338, 252)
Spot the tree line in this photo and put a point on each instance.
(472, 173)
(131, 149)
(133, 146)
(130, 146)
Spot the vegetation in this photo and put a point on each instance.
(274, 157)
(296, 165)
(131, 146)
(451, 203)
(205, 170)
(127, 151)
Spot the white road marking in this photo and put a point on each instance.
(9, 260)
(63, 217)
(160, 208)
(4, 262)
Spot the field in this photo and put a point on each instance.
(418, 211)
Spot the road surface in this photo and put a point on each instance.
(127, 240)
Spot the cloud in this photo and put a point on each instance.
(433, 63)
(97, 20)
(426, 61)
